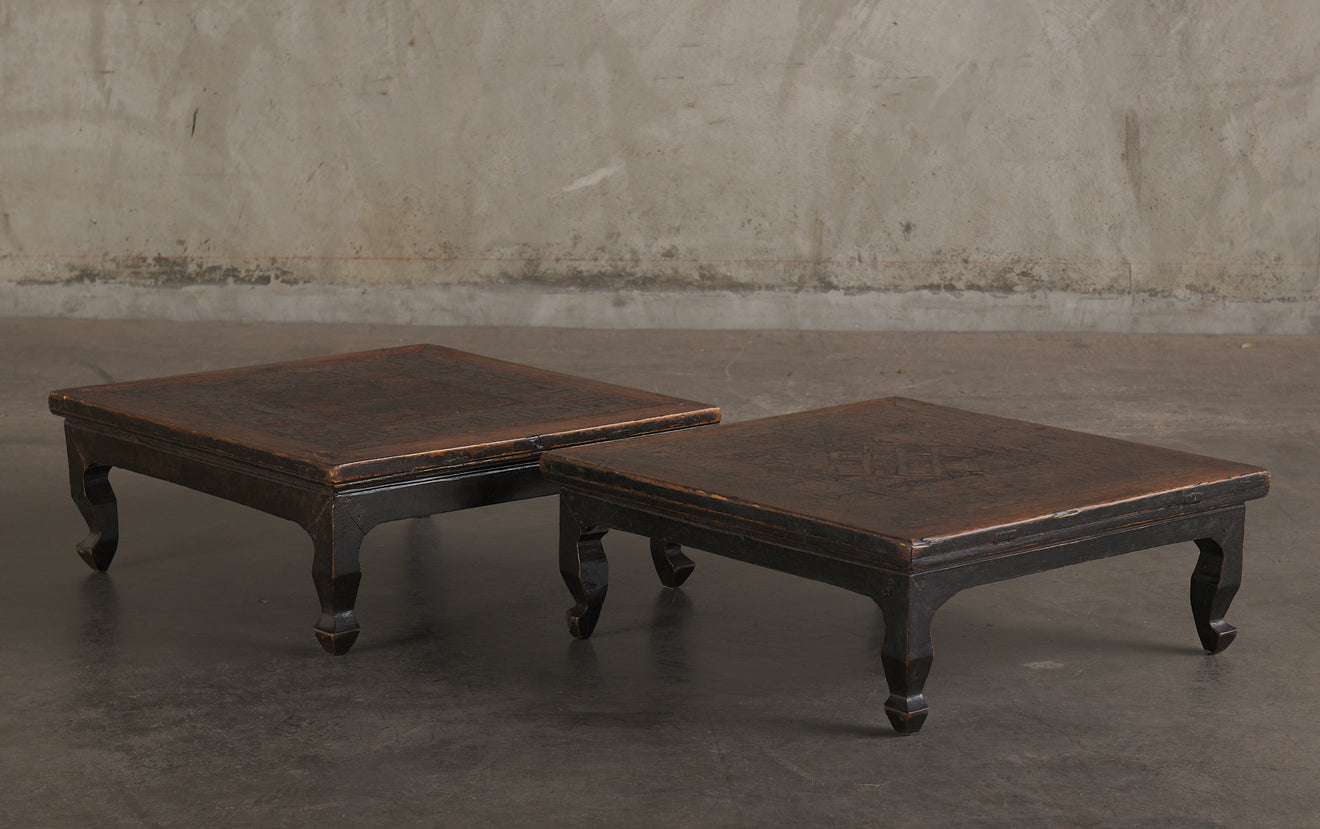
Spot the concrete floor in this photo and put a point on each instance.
(185, 687)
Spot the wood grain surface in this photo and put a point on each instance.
(406, 410)
(915, 478)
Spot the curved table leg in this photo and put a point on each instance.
(671, 565)
(906, 656)
(89, 483)
(337, 538)
(907, 651)
(1215, 582)
(585, 569)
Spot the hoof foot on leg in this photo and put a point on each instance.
(582, 619)
(906, 714)
(1216, 636)
(97, 551)
(671, 565)
(338, 636)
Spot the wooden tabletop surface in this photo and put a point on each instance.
(903, 478)
(396, 411)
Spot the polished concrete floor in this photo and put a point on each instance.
(184, 687)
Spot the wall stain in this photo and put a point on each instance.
(609, 277)
(96, 50)
(168, 272)
(1132, 151)
(7, 231)
(942, 274)
(813, 277)
(818, 275)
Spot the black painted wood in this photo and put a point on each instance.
(343, 443)
(936, 500)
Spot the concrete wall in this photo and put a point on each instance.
(1114, 164)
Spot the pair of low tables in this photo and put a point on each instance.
(902, 501)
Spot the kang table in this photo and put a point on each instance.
(340, 444)
(905, 502)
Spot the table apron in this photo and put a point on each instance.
(300, 500)
(879, 579)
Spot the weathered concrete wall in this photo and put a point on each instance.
(260, 160)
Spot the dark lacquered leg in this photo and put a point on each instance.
(337, 538)
(585, 570)
(671, 565)
(1215, 581)
(906, 655)
(89, 483)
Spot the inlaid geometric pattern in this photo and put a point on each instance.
(895, 468)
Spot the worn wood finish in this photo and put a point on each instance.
(340, 444)
(907, 503)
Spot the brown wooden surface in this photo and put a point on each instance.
(904, 479)
(399, 411)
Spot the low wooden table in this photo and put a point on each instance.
(905, 502)
(340, 444)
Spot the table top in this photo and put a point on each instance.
(413, 410)
(901, 479)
